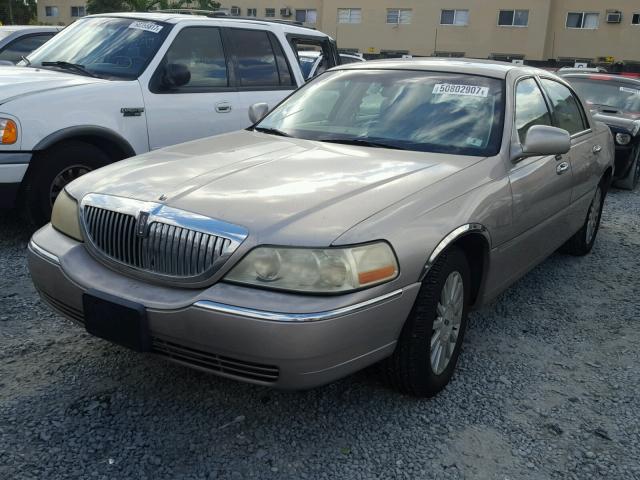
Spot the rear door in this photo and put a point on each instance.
(206, 105)
(260, 68)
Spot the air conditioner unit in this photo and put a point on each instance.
(235, 11)
(614, 17)
(285, 12)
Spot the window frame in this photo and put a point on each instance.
(636, 15)
(268, 10)
(514, 131)
(513, 19)
(584, 16)
(350, 10)
(583, 114)
(306, 14)
(399, 10)
(455, 14)
(52, 7)
(78, 7)
(252, 12)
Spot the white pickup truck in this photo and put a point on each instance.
(112, 86)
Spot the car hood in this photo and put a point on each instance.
(15, 82)
(283, 190)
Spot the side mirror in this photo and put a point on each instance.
(542, 140)
(175, 75)
(258, 111)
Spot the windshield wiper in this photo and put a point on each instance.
(271, 131)
(363, 142)
(25, 60)
(69, 66)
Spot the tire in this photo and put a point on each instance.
(410, 369)
(52, 170)
(582, 242)
(630, 180)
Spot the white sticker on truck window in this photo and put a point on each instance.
(464, 90)
(146, 26)
(629, 90)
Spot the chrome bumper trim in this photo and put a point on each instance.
(295, 317)
(41, 252)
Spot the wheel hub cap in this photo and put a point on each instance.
(594, 215)
(446, 326)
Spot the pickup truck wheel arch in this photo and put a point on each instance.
(99, 136)
(474, 240)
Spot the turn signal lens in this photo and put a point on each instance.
(8, 131)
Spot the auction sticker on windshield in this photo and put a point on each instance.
(464, 90)
(146, 26)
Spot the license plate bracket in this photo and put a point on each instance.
(117, 320)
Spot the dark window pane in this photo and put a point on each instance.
(301, 16)
(506, 17)
(447, 17)
(23, 47)
(636, 19)
(286, 77)
(574, 20)
(531, 108)
(200, 49)
(256, 60)
(566, 111)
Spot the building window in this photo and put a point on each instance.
(454, 17)
(399, 16)
(513, 18)
(269, 12)
(78, 12)
(635, 19)
(235, 11)
(252, 12)
(51, 11)
(307, 16)
(585, 20)
(349, 15)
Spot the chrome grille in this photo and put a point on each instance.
(153, 240)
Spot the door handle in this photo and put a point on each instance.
(596, 148)
(223, 107)
(562, 168)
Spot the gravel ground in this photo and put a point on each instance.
(547, 388)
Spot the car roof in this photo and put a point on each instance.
(603, 77)
(30, 28)
(487, 68)
(175, 18)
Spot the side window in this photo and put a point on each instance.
(567, 112)
(200, 50)
(23, 47)
(259, 58)
(531, 109)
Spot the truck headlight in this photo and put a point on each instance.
(623, 138)
(314, 270)
(64, 216)
(8, 131)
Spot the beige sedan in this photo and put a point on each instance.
(358, 222)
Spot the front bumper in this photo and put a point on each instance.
(13, 166)
(269, 338)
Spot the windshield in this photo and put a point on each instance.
(620, 95)
(114, 48)
(409, 110)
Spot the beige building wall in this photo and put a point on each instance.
(545, 37)
(64, 11)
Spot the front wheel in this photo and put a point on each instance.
(582, 242)
(430, 343)
(53, 170)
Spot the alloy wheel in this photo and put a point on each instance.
(65, 177)
(446, 326)
(594, 215)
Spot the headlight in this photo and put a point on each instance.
(8, 131)
(623, 138)
(64, 216)
(330, 270)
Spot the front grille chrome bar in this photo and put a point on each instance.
(155, 241)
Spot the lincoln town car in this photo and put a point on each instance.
(357, 222)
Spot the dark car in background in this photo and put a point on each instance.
(615, 100)
(18, 41)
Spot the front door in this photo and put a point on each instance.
(206, 105)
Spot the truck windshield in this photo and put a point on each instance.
(105, 47)
(398, 109)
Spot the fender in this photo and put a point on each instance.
(452, 237)
(84, 131)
